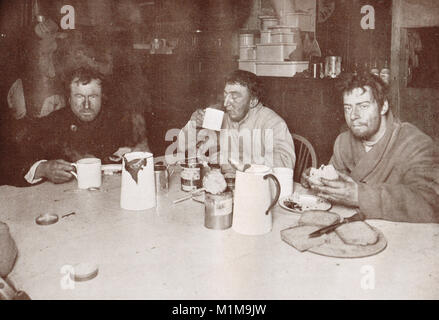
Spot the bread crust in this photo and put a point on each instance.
(327, 172)
(318, 218)
(357, 233)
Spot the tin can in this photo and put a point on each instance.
(161, 175)
(315, 70)
(191, 177)
(332, 66)
(218, 210)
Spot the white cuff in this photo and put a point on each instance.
(31, 173)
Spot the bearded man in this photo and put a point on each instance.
(388, 169)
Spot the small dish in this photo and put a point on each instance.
(46, 219)
(299, 203)
(84, 272)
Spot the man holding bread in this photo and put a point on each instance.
(386, 168)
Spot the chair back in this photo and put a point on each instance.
(305, 156)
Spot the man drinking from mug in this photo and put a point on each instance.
(89, 128)
(250, 132)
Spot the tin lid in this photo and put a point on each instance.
(84, 271)
(46, 219)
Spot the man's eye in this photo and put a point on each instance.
(364, 106)
(347, 108)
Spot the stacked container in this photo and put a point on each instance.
(279, 44)
(247, 51)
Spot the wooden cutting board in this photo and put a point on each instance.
(330, 245)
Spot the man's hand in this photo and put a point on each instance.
(56, 171)
(342, 191)
(198, 117)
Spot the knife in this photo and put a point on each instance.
(359, 216)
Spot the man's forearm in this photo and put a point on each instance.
(398, 203)
(284, 158)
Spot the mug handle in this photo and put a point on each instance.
(276, 198)
(170, 172)
(73, 172)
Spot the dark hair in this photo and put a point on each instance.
(378, 87)
(84, 76)
(246, 79)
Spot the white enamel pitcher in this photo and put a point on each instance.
(253, 200)
(138, 186)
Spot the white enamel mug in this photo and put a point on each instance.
(88, 173)
(285, 177)
(213, 119)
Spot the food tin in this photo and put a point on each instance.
(191, 177)
(218, 210)
(161, 178)
(332, 66)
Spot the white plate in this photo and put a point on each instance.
(306, 202)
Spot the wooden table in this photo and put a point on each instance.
(167, 253)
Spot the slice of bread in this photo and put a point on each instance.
(328, 172)
(357, 233)
(318, 218)
(298, 237)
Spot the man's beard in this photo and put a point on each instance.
(369, 132)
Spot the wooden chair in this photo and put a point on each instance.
(305, 156)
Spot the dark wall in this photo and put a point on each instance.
(341, 34)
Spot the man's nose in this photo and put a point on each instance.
(354, 113)
(227, 101)
(86, 103)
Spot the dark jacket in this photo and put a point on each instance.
(61, 135)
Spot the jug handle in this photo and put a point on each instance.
(276, 198)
